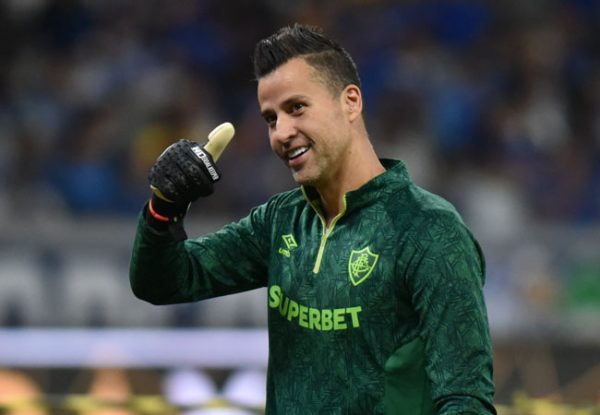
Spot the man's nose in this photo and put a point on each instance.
(285, 129)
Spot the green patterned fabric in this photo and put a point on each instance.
(381, 313)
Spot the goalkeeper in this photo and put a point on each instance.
(374, 285)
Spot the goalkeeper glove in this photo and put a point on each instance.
(181, 174)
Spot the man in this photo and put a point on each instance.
(374, 285)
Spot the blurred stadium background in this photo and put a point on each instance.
(495, 105)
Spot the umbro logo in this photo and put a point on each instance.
(290, 243)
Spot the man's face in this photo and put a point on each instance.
(308, 128)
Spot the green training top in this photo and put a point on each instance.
(380, 313)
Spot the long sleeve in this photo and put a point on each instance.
(166, 271)
(446, 289)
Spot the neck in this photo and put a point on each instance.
(362, 166)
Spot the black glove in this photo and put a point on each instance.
(181, 174)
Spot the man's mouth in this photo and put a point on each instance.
(297, 152)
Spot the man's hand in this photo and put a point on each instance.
(182, 173)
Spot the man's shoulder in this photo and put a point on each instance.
(421, 212)
(282, 203)
(407, 195)
(429, 203)
(289, 198)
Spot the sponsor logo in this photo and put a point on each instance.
(361, 264)
(321, 319)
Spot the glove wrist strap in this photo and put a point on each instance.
(162, 223)
(156, 215)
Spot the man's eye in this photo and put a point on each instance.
(297, 106)
(270, 119)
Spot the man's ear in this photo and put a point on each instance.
(352, 101)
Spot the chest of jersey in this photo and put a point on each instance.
(341, 278)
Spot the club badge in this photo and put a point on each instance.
(361, 265)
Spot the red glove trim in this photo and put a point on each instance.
(155, 215)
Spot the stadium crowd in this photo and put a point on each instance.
(496, 105)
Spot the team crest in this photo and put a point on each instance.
(361, 265)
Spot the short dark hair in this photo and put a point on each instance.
(332, 62)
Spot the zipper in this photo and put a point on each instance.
(327, 230)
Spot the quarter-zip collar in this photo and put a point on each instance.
(393, 179)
